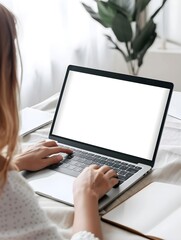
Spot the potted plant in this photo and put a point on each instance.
(123, 17)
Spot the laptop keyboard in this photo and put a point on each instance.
(76, 162)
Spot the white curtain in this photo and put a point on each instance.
(52, 35)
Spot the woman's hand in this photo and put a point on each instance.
(95, 180)
(89, 186)
(40, 156)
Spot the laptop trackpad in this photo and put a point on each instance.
(51, 184)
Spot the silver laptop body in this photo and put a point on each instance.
(109, 116)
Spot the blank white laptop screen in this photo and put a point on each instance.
(114, 114)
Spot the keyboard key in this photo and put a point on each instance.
(137, 168)
(132, 170)
(71, 167)
(88, 162)
(123, 167)
(78, 169)
(116, 165)
(128, 175)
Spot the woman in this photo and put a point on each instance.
(20, 215)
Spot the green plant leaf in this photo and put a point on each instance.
(127, 6)
(106, 13)
(144, 50)
(93, 14)
(122, 28)
(142, 38)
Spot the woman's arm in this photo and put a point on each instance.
(86, 217)
(91, 185)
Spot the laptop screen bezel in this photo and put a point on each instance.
(103, 151)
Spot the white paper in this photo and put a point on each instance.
(33, 119)
(151, 210)
(169, 228)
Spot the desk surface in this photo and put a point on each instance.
(167, 169)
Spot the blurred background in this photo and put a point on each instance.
(56, 33)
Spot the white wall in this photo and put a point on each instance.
(163, 65)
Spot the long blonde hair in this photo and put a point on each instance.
(9, 121)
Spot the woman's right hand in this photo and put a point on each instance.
(89, 187)
(95, 180)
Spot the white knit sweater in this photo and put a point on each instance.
(21, 217)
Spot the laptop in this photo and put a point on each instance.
(105, 118)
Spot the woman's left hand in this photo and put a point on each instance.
(40, 156)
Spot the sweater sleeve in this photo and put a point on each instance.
(21, 217)
(84, 236)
